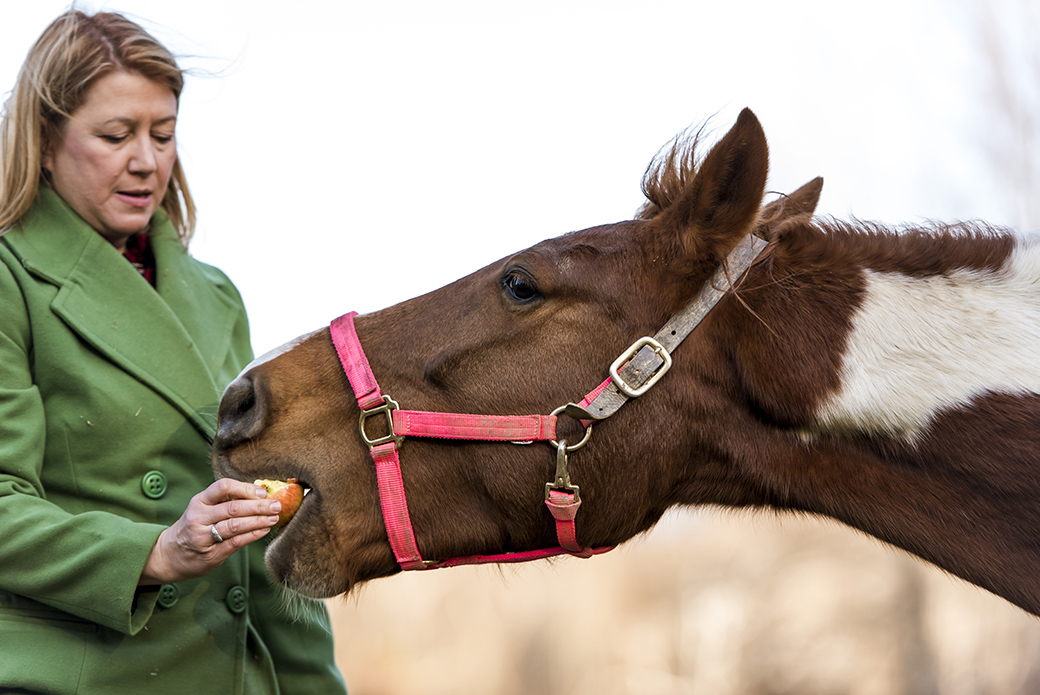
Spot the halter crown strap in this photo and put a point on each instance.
(648, 358)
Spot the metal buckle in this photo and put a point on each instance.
(563, 478)
(627, 356)
(389, 405)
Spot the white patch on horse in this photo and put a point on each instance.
(271, 354)
(921, 345)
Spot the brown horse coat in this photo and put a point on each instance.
(885, 378)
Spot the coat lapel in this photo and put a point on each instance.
(172, 338)
(189, 289)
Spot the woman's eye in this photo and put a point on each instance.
(162, 139)
(519, 287)
(114, 139)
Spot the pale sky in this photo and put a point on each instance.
(349, 155)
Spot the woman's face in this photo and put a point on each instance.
(112, 160)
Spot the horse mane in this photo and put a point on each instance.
(925, 249)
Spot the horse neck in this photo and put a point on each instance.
(870, 378)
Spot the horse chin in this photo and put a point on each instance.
(297, 560)
(310, 584)
(308, 554)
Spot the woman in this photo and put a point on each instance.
(116, 573)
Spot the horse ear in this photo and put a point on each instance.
(720, 204)
(801, 202)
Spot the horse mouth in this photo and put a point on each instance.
(307, 490)
(293, 526)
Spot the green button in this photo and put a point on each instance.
(153, 484)
(236, 599)
(168, 595)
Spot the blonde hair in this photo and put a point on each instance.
(74, 52)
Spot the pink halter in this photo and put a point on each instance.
(562, 498)
(631, 374)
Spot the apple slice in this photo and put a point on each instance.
(288, 492)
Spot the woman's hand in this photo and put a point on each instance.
(189, 548)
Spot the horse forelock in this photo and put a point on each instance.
(669, 172)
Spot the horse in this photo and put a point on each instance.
(717, 349)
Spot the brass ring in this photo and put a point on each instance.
(571, 447)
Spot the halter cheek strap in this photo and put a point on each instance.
(631, 375)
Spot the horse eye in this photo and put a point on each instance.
(519, 287)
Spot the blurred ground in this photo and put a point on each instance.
(711, 603)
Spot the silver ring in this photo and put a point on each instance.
(216, 534)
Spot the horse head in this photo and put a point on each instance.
(526, 334)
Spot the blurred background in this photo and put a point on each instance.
(349, 155)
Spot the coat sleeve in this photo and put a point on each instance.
(86, 564)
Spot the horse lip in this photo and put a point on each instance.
(222, 467)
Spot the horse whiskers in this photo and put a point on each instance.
(296, 606)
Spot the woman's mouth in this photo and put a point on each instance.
(140, 198)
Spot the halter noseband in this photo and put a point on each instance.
(631, 374)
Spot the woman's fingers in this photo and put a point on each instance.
(226, 489)
(226, 516)
(233, 528)
(239, 520)
(235, 508)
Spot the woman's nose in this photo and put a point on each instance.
(143, 157)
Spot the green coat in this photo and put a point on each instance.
(108, 400)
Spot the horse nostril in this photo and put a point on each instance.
(242, 412)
